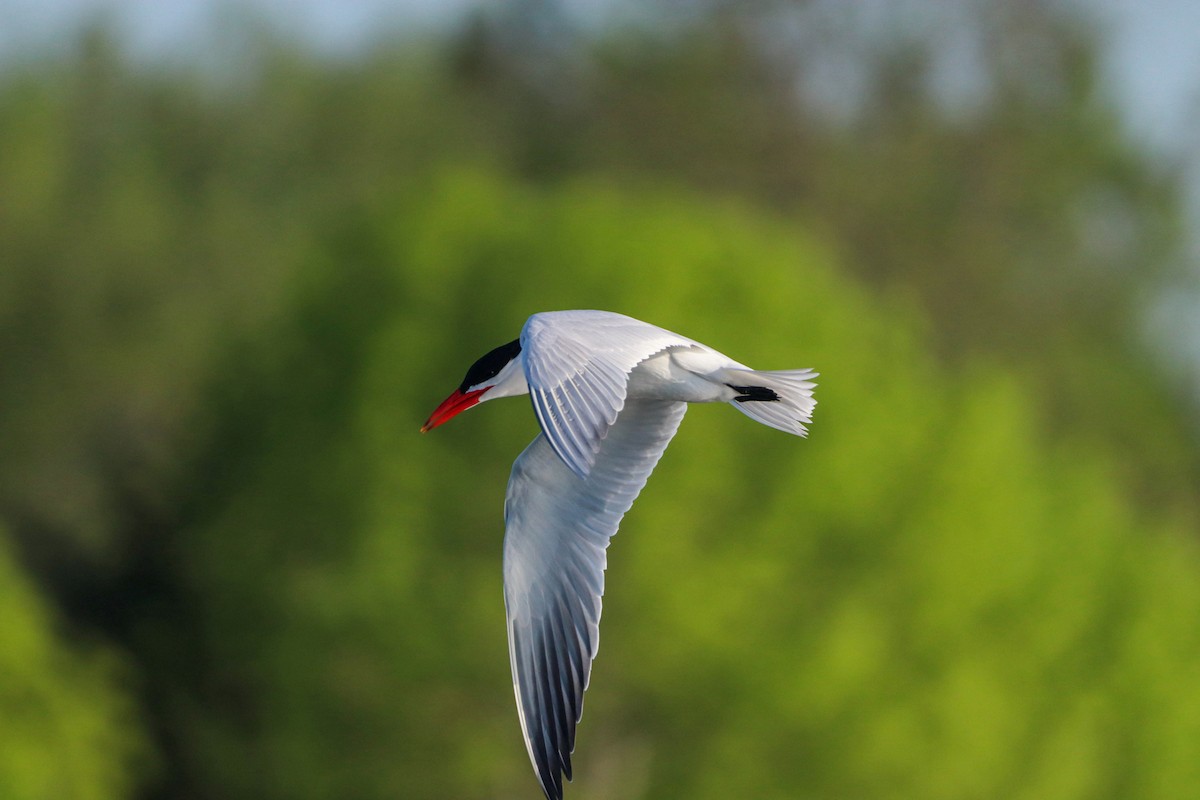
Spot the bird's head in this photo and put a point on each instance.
(499, 373)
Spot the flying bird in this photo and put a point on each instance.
(609, 392)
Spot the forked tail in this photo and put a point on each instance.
(782, 399)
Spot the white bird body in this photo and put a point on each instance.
(609, 393)
(679, 374)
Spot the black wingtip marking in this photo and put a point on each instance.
(754, 393)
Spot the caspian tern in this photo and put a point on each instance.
(609, 392)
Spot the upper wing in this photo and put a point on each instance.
(558, 526)
(577, 364)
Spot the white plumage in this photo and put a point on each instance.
(608, 392)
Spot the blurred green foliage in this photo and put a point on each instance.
(921, 601)
(239, 572)
(70, 726)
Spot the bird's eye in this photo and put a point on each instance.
(489, 366)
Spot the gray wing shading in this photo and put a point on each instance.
(577, 365)
(558, 526)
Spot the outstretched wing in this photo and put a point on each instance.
(577, 364)
(558, 526)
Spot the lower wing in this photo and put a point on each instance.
(558, 526)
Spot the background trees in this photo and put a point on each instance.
(238, 572)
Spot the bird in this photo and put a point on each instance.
(608, 392)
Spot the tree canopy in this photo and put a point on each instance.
(232, 568)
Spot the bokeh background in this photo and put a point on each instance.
(245, 248)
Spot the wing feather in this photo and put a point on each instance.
(577, 364)
(558, 526)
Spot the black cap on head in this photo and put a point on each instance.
(489, 365)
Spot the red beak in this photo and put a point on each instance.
(451, 407)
